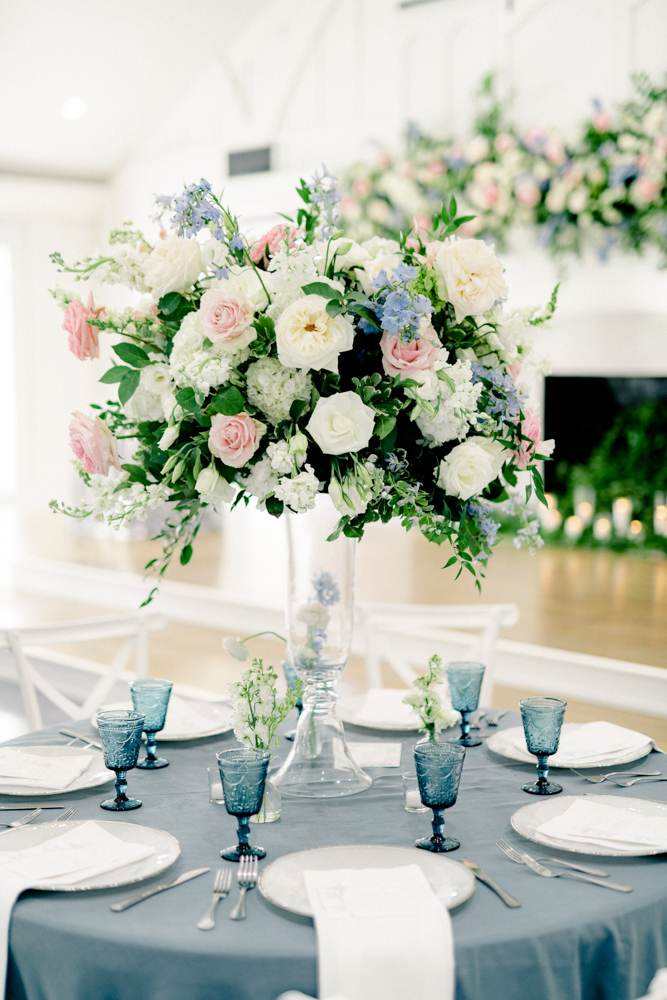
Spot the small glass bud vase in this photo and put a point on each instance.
(271, 806)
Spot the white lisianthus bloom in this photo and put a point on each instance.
(299, 492)
(314, 614)
(236, 649)
(470, 276)
(173, 266)
(341, 423)
(156, 378)
(214, 488)
(308, 337)
(348, 499)
(169, 436)
(273, 388)
(471, 466)
(377, 245)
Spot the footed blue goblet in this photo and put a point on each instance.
(121, 738)
(150, 695)
(243, 775)
(542, 720)
(439, 767)
(465, 683)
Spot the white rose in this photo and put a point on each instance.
(377, 245)
(173, 266)
(214, 488)
(470, 276)
(245, 282)
(370, 270)
(341, 423)
(471, 466)
(308, 337)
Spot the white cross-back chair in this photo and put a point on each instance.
(407, 635)
(25, 647)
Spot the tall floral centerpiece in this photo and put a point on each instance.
(383, 379)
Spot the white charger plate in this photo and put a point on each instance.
(349, 707)
(527, 819)
(216, 718)
(167, 850)
(283, 884)
(95, 774)
(501, 743)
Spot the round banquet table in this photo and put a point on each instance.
(568, 941)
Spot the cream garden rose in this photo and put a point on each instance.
(308, 337)
(173, 266)
(341, 423)
(470, 276)
(471, 466)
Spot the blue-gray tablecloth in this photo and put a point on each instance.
(569, 940)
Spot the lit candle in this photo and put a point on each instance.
(573, 527)
(622, 513)
(602, 528)
(412, 798)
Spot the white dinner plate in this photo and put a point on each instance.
(501, 743)
(214, 718)
(283, 884)
(349, 707)
(527, 819)
(95, 774)
(167, 850)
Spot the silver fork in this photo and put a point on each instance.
(221, 886)
(597, 778)
(476, 718)
(66, 815)
(24, 819)
(547, 873)
(247, 879)
(514, 855)
(495, 720)
(633, 781)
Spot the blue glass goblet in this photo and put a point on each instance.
(150, 695)
(243, 775)
(292, 677)
(121, 738)
(439, 767)
(542, 720)
(465, 683)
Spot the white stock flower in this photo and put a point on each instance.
(288, 271)
(457, 410)
(299, 492)
(214, 488)
(470, 276)
(273, 388)
(341, 423)
(192, 364)
(308, 337)
(314, 614)
(173, 266)
(236, 649)
(471, 466)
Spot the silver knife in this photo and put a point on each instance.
(34, 805)
(185, 877)
(84, 739)
(483, 877)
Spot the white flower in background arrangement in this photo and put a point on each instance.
(243, 281)
(273, 388)
(299, 492)
(125, 267)
(288, 271)
(345, 253)
(458, 397)
(261, 482)
(214, 488)
(314, 614)
(235, 648)
(471, 466)
(192, 364)
(308, 337)
(151, 399)
(470, 276)
(384, 256)
(173, 266)
(341, 423)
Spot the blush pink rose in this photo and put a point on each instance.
(527, 194)
(362, 187)
(401, 359)
(93, 444)
(432, 250)
(436, 167)
(647, 188)
(234, 440)
(83, 339)
(531, 427)
(224, 315)
(490, 194)
(270, 242)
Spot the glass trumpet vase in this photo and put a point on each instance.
(320, 617)
(271, 806)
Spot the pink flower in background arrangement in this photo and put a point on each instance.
(234, 440)
(412, 243)
(503, 142)
(643, 161)
(423, 223)
(432, 250)
(535, 139)
(647, 189)
(384, 160)
(270, 243)
(400, 359)
(527, 194)
(660, 143)
(532, 428)
(362, 187)
(514, 370)
(490, 194)
(554, 152)
(435, 168)
(224, 315)
(602, 121)
(83, 339)
(93, 444)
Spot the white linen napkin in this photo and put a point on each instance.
(183, 718)
(588, 822)
(382, 934)
(374, 754)
(384, 706)
(18, 767)
(591, 743)
(78, 854)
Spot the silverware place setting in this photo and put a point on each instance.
(132, 900)
(595, 779)
(221, 888)
(247, 879)
(539, 869)
(515, 855)
(483, 877)
(24, 820)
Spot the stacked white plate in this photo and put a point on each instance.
(95, 773)
(592, 744)
(187, 720)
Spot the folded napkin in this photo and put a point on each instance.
(588, 822)
(19, 767)
(375, 754)
(75, 856)
(182, 718)
(382, 934)
(592, 743)
(384, 706)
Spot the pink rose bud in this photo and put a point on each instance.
(424, 223)
(432, 250)
(270, 243)
(412, 243)
(224, 315)
(93, 444)
(400, 359)
(83, 339)
(532, 428)
(234, 440)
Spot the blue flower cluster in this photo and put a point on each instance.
(194, 210)
(482, 514)
(504, 401)
(326, 195)
(398, 312)
(326, 589)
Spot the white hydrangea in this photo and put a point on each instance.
(300, 491)
(457, 397)
(262, 481)
(193, 364)
(282, 460)
(288, 272)
(273, 388)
